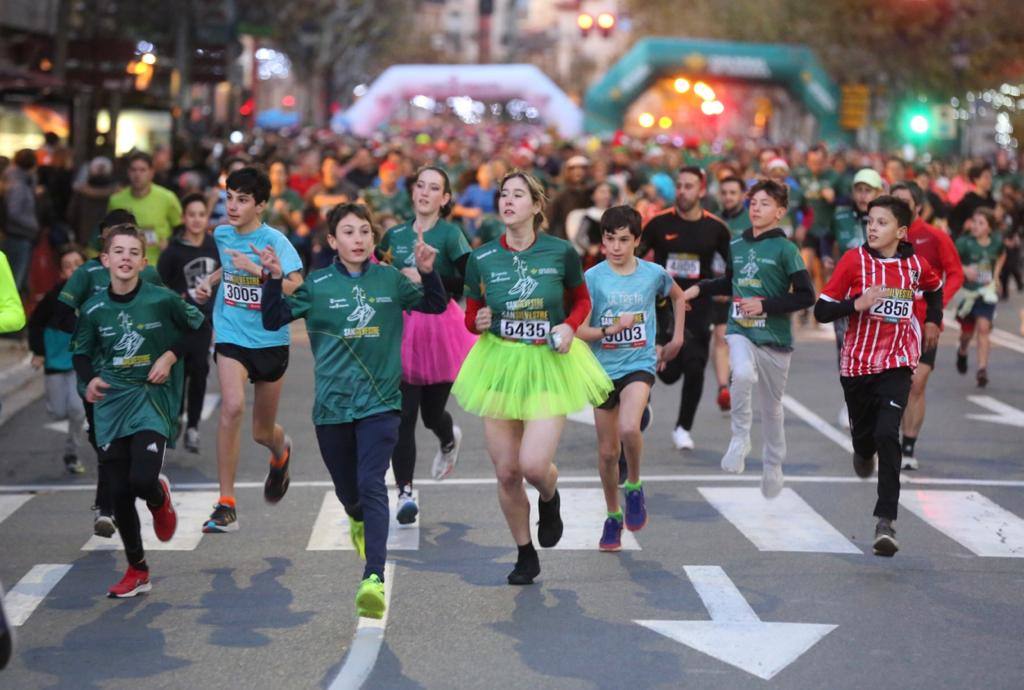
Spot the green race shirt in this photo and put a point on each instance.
(762, 268)
(811, 188)
(525, 289)
(274, 218)
(157, 214)
(449, 241)
(848, 228)
(738, 223)
(124, 339)
(398, 204)
(355, 331)
(982, 258)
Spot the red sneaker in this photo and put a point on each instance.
(165, 520)
(133, 583)
(724, 399)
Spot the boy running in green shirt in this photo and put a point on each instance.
(983, 255)
(126, 350)
(353, 310)
(764, 267)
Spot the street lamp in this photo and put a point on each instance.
(606, 22)
(585, 22)
(681, 85)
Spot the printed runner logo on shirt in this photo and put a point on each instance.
(749, 270)
(242, 290)
(128, 344)
(525, 285)
(361, 315)
(896, 305)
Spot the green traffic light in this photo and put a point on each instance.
(919, 124)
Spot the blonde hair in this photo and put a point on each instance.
(537, 193)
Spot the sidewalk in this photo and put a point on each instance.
(20, 384)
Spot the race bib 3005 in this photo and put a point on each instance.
(242, 291)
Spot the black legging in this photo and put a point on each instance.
(197, 369)
(133, 469)
(1011, 268)
(103, 502)
(429, 401)
(689, 364)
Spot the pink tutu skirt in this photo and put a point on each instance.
(434, 345)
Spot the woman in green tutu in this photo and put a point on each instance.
(525, 296)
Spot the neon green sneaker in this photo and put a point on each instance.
(370, 598)
(357, 530)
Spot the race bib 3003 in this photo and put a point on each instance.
(531, 331)
(242, 291)
(683, 266)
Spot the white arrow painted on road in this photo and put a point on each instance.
(1003, 413)
(735, 634)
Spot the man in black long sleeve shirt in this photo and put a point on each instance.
(685, 240)
(767, 280)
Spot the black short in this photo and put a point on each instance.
(613, 398)
(263, 363)
(719, 313)
(928, 357)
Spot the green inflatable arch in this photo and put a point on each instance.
(794, 67)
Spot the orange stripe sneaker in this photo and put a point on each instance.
(276, 484)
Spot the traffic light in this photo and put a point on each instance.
(918, 122)
(604, 22)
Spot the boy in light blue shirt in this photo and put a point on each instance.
(622, 329)
(243, 348)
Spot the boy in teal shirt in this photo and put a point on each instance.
(624, 291)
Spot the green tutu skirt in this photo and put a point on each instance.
(504, 379)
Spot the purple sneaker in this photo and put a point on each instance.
(611, 537)
(636, 510)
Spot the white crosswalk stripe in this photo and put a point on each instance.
(784, 523)
(330, 531)
(978, 524)
(11, 502)
(583, 513)
(193, 508)
(25, 597)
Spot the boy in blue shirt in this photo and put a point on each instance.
(243, 348)
(621, 331)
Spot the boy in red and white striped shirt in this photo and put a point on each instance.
(875, 286)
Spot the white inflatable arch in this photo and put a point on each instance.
(399, 84)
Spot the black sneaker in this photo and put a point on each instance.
(885, 538)
(527, 568)
(222, 519)
(863, 467)
(646, 418)
(549, 526)
(72, 464)
(623, 467)
(276, 485)
(961, 362)
(982, 378)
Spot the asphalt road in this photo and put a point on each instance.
(715, 566)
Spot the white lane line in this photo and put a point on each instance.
(25, 597)
(11, 502)
(812, 419)
(210, 402)
(997, 336)
(905, 479)
(983, 527)
(583, 514)
(783, 523)
(330, 531)
(366, 643)
(193, 508)
(1002, 413)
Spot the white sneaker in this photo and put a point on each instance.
(444, 463)
(844, 417)
(192, 440)
(772, 480)
(909, 463)
(735, 458)
(407, 508)
(681, 439)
